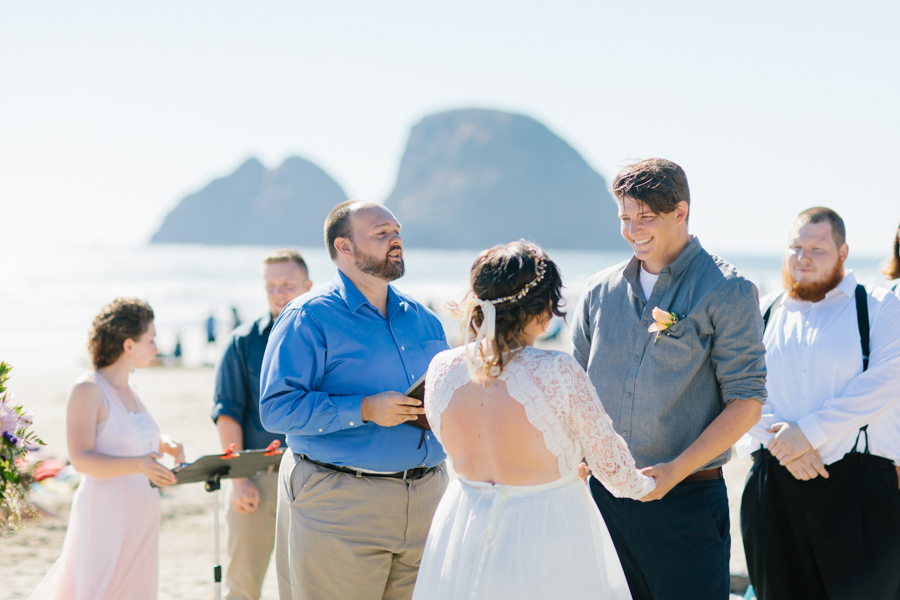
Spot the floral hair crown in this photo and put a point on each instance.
(488, 327)
(540, 271)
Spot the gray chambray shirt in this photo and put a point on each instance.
(661, 395)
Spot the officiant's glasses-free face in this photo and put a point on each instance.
(376, 243)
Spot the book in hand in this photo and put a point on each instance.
(417, 391)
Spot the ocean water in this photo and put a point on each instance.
(49, 293)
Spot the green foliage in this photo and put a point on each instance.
(4, 375)
(16, 473)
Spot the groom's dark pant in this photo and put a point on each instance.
(677, 547)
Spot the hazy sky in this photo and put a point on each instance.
(110, 112)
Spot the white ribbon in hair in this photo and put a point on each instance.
(488, 330)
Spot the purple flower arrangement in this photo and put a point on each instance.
(16, 475)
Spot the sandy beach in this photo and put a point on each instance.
(179, 399)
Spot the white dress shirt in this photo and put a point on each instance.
(815, 376)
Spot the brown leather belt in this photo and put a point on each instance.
(703, 475)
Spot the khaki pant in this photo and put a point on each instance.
(251, 537)
(345, 537)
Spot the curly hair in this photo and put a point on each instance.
(120, 320)
(504, 271)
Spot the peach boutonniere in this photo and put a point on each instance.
(664, 320)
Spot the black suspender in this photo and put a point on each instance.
(768, 312)
(862, 320)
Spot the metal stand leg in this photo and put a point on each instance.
(213, 484)
(217, 569)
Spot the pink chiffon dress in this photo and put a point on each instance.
(111, 549)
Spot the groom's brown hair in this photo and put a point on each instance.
(657, 183)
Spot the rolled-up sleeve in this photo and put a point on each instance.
(737, 352)
(292, 372)
(232, 392)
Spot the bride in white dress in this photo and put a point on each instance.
(516, 422)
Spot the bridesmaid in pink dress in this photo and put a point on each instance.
(111, 546)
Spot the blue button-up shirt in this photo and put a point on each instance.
(237, 382)
(328, 349)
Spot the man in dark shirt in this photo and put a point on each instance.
(251, 512)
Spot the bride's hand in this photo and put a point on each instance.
(584, 472)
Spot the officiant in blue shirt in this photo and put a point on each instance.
(360, 484)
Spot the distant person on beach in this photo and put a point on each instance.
(111, 547)
(359, 487)
(672, 340)
(820, 515)
(251, 512)
(177, 352)
(235, 318)
(211, 329)
(211, 354)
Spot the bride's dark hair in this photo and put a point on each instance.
(504, 271)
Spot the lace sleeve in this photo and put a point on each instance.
(606, 452)
(445, 374)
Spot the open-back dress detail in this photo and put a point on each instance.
(493, 541)
(112, 540)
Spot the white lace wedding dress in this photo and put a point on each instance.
(490, 541)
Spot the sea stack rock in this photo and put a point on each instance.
(255, 206)
(476, 178)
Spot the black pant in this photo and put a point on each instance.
(677, 547)
(835, 538)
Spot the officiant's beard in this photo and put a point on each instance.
(384, 268)
(812, 291)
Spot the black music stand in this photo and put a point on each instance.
(213, 468)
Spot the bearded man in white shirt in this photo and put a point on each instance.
(820, 514)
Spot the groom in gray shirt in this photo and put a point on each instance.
(672, 340)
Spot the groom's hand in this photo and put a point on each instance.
(390, 408)
(667, 476)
